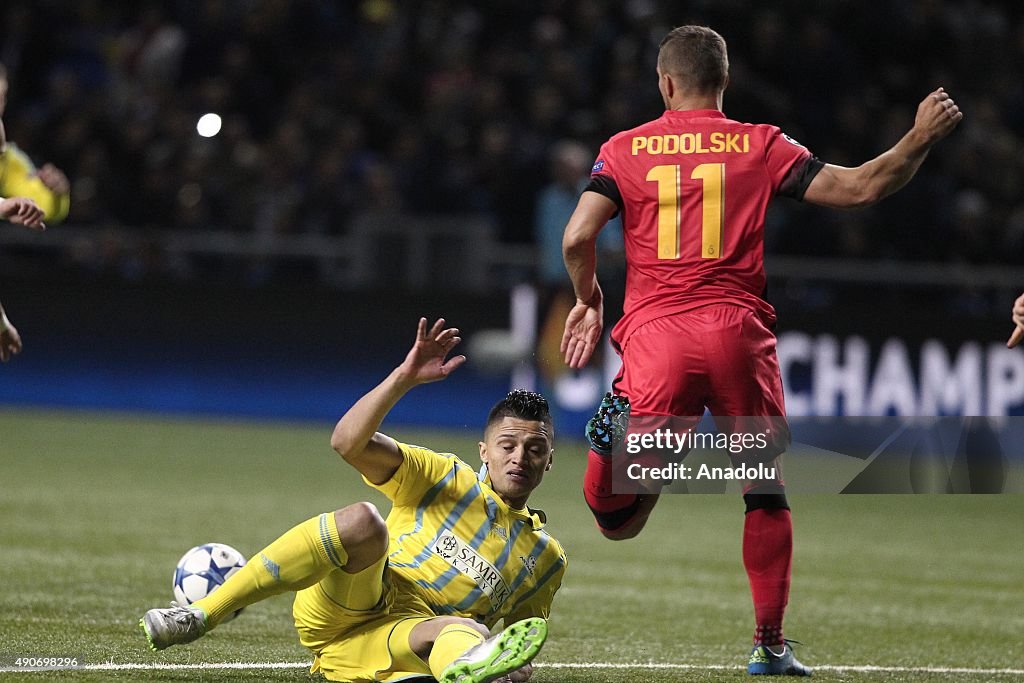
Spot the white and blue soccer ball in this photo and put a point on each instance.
(203, 569)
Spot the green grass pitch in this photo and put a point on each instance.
(96, 509)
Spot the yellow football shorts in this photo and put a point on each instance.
(369, 644)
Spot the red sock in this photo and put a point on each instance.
(611, 510)
(768, 556)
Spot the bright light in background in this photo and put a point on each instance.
(208, 125)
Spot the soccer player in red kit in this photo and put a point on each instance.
(693, 187)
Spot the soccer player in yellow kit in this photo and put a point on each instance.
(48, 186)
(415, 596)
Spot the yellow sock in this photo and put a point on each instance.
(300, 557)
(451, 643)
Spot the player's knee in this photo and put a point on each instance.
(623, 533)
(771, 497)
(363, 533)
(625, 523)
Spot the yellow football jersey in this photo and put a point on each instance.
(461, 549)
(18, 179)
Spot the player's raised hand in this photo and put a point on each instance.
(1018, 320)
(23, 211)
(937, 116)
(426, 362)
(583, 328)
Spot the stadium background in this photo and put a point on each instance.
(381, 160)
(397, 154)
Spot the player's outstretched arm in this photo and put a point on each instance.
(23, 211)
(10, 342)
(1018, 320)
(579, 250)
(376, 456)
(844, 188)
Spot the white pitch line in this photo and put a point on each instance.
(864, 668)
(651, 666)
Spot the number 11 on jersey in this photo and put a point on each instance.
(712, 177)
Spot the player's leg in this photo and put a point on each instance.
(350, 540)
(621, 515)
(459, 651)
(661, 377)
(746, 382)
(767, 557)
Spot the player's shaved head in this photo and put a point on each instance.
(696, 57)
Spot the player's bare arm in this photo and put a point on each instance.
(585, 322)
(10, 341)
(840, 187)
(376, 456)
(22, 211)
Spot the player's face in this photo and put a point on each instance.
(517, 453)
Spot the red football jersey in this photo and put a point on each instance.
(693, 188)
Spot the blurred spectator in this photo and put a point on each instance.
(570, 172)
(48, 186)
(570, 166)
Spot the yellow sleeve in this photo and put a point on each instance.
(537, 603)
(18, 179)
(421, 468)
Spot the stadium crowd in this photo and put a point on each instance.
(333, 109)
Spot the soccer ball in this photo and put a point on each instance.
(202, 570)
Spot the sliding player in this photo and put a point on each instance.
(415, 595)
(693, 188)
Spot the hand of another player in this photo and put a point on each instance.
(518, 676)
(54, 179)
(583, 328)
(23, 211)
(1018, 320)
(10, 342)
(426, 362)
(937, 116)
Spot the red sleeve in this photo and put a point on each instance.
(781, 154)
(602, 178)
(604, 165)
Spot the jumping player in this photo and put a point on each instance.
(693, 187)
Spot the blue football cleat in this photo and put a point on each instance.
(607, 428)
(764, 662)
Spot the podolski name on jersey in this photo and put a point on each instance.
(692, 143)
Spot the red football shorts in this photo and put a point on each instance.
(721, 357)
